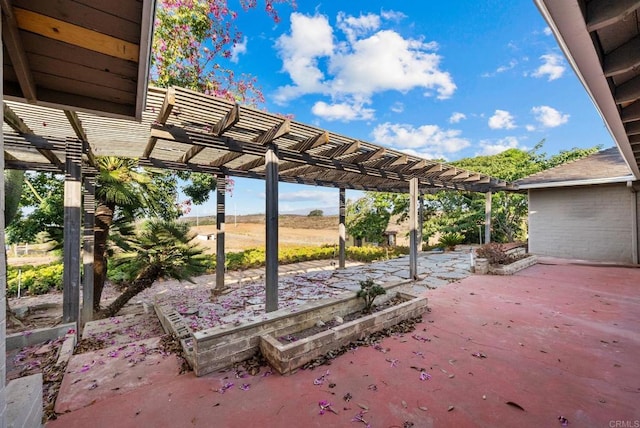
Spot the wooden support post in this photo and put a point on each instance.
(3, 266)
(271, 270)
(89, 208)
(413, 228)
(420, 219)
(72, 199)
(487, 218)
(221, 189)
(342, 230)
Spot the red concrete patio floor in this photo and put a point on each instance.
(559, 340)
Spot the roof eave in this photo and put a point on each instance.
(569, 29)
(574, 183)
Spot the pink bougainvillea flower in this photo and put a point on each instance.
(425, 376)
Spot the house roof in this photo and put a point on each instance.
(81, 55)
(186, 130)
(601, 40)
(606, 166)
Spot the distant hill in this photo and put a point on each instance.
(286, 220)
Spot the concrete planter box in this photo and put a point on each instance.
(513, 267)
(222, 346)
(287, 357)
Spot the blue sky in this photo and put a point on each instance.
(436, 79)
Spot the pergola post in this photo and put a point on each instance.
(342, 250)
(72, 199)
(420, 219)
(89, 208)
(3, 266)
(221, 189)
(413, 228)
(487, 218)
(271, 270)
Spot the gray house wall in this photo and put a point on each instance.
(589, 222)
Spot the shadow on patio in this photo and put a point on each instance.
(553, 340)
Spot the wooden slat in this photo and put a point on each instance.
(223, 125)
(12, 41)
(632, 128)
(18, 125)
(76, 124)
(163, 115)
(631, 113)
(628, 91)
(370, 155)
(76, 35)
(623, 58)
(267, 137)
(252, 164)
(602, 13)
(311, 142)
(226, 158)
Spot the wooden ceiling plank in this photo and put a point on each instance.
(76, 35)
(270, 135)
(13, 43)
(629, 91)
(603, 13)
(252, 164)
(76, 124)
(623, 58)
(631, 113)
(311, 142)
(632, 128)
(225, 159)
(163, 116)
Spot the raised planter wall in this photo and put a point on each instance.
(222, 346)
(287, 357)
(513, 267)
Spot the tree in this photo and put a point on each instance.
(368, 217)
(315, 213)
(122, 188)
(162, 249)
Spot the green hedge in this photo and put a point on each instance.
(42, 279)
(34, 280)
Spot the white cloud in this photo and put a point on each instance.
(493, 147)
(428, 141)
(371, 60)
(344, 111)
(547, 31)
(397, 107)
(354, 27)
(501, 119)
(392, 15)
(502, 69)
(552, 67)
(238, 49)
(308, 195)
(530, 128)
(311, 38)
(549, 117)
(457, 117)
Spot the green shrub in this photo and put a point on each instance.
(368, 292)
(35, 280)
(450, 240)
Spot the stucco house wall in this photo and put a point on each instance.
(583, 222)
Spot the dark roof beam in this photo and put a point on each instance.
(603, 13)
(622, 59)
(223, 125)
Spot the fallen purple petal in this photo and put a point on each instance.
(245, 386)
(425, 376)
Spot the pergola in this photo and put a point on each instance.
(182, 129)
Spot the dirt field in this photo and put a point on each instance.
(294, 231)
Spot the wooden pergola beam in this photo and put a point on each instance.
(223, 125)
(342, 150)
(225, 159)
(163, 116)
(311, 142)
(12, 41)
(270, 135)
(76, 124)
(631, 113)
(602, 13)
(629, 91)
(632, 128)
(18, 125)
(252, 164)
(369, 156)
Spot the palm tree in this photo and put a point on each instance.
(125, 188)
(162, 249)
